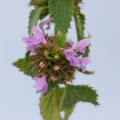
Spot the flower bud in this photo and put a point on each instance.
(42, 64)
(56, 68)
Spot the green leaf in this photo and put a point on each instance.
(35, 15)
(64, 99)
(66, 111)
(38, 2)
(61, 12)
(80, 24)
(24, 65)
(61, 40)
(74, 94)
(50, 105)
(33, 19)
(51, 86)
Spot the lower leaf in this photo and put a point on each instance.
(74, 94)
(64, 99)
(50, 105)
(24, 65)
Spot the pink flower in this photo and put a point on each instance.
(42, 64)
(81, 45)
(71, 56)
(39, 36)
(83, 62)
(41, 84)
(33, 42)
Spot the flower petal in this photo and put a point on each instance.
(81, 45)
(39, 36)
(33, 42)
(83, 62)
(41, 84)
(71, 56)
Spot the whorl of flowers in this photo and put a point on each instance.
(52, 59)
(56, 63)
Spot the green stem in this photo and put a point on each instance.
(79, 30)
(56, 98)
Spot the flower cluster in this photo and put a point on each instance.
(52, 62)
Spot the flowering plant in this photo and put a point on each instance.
(52, 60)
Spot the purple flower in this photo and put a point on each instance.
(33, 42)
(39, 36)
(41, 84)
(83, 62)
(81, 45)
(71, 57)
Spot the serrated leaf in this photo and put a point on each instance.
(65, 100)
(74, 94)
(61, 12)
(50, 105)
(33, 19)
(66, 111)
(80, 24)
(35, 15)
(61, 40)
(24, 65)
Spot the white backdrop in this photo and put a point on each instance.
(18, 100)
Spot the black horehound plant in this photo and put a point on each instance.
(53, 59)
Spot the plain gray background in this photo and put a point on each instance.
(18, 100)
